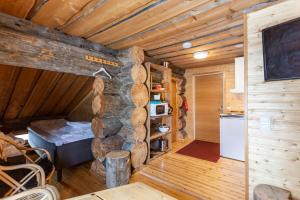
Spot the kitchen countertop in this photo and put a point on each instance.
(232, 115)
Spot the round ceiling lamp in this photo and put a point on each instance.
(201, 54)
(187, 45)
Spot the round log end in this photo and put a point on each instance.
(139, 95)
(139, 116)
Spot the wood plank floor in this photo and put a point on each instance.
(179, 176)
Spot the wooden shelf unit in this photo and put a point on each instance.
(156, 135)
(152, 135)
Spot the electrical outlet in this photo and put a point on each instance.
(265, 124)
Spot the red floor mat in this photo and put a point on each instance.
(203, 150)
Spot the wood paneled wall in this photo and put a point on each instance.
(274, 153)
(32, 93)
(231, 102)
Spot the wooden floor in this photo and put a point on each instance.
(179, 176)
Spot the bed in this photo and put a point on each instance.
(69, 143)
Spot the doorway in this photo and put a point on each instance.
(208, 103)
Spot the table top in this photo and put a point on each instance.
(133, 191)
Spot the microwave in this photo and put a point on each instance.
(158, 108)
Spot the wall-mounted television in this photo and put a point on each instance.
(281, 48)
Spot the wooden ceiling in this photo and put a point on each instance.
(159, 26)
(27, 93)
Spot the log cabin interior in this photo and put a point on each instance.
(150, 99)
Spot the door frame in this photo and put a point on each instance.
(194, 95)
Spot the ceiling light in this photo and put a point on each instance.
(201, 54)
(187, 45)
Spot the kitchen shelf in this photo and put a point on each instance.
(157, 135)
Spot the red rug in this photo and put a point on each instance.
(203, 150)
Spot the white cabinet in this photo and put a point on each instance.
(239, 76)
(232, 140)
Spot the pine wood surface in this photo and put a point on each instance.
(179, 176)
(208, 102)
(273, 154)
(26, 92)
(158, 26)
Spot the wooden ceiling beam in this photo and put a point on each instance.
(217, 25)
(162, 12)
(206, 47)
(224, 10)
(211, 63)
(22, 45)
(101, 15)
(214, 52)
(210, 58)
(55, 13)
(217, 36)
(36, 7)
(27, 27)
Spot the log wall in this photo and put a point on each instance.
(273, 154)
(119, 111)
(135, 93)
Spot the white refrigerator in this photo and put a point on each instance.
(232, 137)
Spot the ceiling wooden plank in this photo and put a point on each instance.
(43, 87)
(203, 30)
(55, 13)
(36, 7)
(18, 8)
(102, 15)
(57, 94)
(8, 78)
(224, 10)
(24, 85)
(217, 36)
(86, 89)
(187, 62)
(224, 50)
(71, 94)
(212, 63)
(144, 20)
(139, 39)
(206, 47)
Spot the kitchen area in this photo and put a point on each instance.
(232, 122)
(215, 96)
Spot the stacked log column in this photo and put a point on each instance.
(134, 115)
(106, 124)
(181, 123)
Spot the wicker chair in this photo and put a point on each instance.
(46, 192)
(17, 175)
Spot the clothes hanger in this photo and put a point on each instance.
(102, 70)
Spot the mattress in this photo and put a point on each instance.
(68, 143)
(61, 131)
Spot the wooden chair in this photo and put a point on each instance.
(17, 177)
(46, 192)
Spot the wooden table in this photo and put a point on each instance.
(134, 191)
